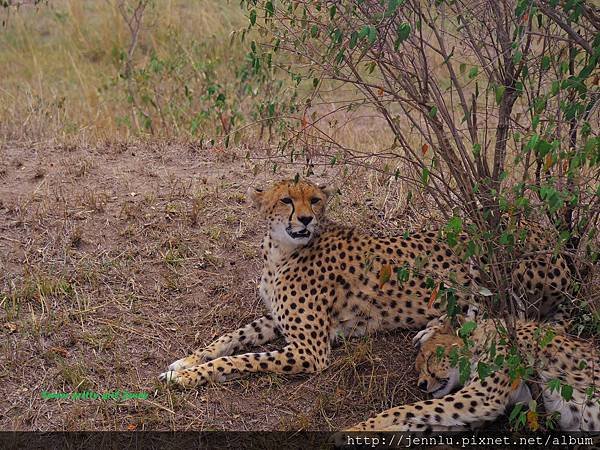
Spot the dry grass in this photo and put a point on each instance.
(119, 258)
(60, 63)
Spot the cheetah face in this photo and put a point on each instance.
(293, 209)
(436, 375)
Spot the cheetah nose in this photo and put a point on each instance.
(305, 220)
(423, 385)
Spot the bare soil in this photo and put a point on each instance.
(117, 259)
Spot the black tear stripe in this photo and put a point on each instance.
(293, 210)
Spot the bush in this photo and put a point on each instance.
(493, 106)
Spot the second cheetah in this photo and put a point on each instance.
(559, 360)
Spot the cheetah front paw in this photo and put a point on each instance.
(195, 359)
(169, 376)
(186, 378)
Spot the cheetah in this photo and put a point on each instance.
(559, 359)
(323, 280)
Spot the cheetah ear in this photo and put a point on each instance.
(328, 190)
(257, 196)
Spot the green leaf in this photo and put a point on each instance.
(554, 385)
(403, 31)
(543, 147)
(364, 31)
(269, 8)
(464, 369)
(393, 6)
(483, 370)
(337, 36)
(499, 94)
(476, 150)
(589, 392)
(439, 352)
(566, 392)
(499, 360)
(539, 104)
(402, 274)
(471, 249)
(372, 36)
(519, 87)
(454, 225)
(473, 72)
(451, 307)
(453, 356)
(425, 176)
(353, 39)
(402, 34)
(332, 11)
(515, 412)
(517, 57)
(564, 67)
(547, 338)
(533, 140)
(502, 201)
(507, 239)
(467, 328)
(545, 62)
(252, 17)
(586, 129)
(433, 112)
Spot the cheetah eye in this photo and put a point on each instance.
(314, 200)
(286, 200)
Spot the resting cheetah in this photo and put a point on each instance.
(321, 280)
(558, 357)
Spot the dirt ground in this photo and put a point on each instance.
(117, 259)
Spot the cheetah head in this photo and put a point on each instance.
(436, 375)
(294, 209)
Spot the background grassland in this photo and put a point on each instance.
(62, 65)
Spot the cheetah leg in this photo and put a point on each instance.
(452, 412)
(257, 332)
(293, 359)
